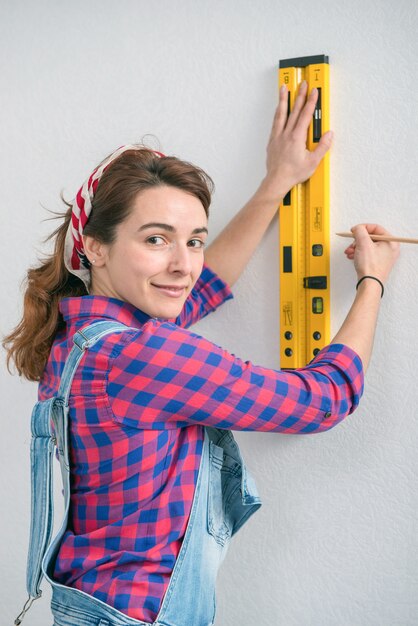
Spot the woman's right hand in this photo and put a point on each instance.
(373, 258)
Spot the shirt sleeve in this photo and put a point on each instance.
(207, 295)
(168, 377)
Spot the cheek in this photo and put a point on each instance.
(134, 259)
(198, 265)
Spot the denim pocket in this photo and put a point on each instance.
(217, 525)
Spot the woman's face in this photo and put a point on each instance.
(157, 256)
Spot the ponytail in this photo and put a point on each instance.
(30, 342)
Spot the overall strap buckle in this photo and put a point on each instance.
(25, 609)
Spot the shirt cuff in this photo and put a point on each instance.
(347, 366)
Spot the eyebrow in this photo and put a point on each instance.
(170, 228)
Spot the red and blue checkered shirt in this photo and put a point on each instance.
(138, 407)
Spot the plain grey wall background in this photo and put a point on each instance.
(335, 543)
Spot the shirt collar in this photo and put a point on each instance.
(80, 307)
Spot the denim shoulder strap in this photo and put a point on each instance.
(45, 414)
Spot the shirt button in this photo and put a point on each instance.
(327, 414)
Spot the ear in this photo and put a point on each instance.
(95, 251)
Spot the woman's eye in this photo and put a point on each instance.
(156, 241)
(196, 243)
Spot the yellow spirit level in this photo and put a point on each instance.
(304, 231)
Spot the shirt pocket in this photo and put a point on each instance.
(217, 525)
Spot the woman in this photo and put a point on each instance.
(155, 481)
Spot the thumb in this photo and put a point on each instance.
(324, 145)
(361, 234)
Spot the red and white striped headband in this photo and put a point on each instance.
(75, 259)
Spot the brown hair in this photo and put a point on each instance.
(134, 171)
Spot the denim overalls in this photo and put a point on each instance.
(225, 497)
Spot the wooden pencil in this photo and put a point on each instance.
(382, 238)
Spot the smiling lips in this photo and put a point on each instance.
(173, 291)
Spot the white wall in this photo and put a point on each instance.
(335, 543)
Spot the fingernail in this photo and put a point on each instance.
(283, 89)
(303, 84)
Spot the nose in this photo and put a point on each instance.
(180, 261)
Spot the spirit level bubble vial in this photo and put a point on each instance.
(304, 226)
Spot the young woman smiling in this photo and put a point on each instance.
(141, 408)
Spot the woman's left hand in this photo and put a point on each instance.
(289, 162)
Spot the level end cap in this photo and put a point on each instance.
(304, 61)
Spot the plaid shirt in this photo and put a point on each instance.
(139, 403)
